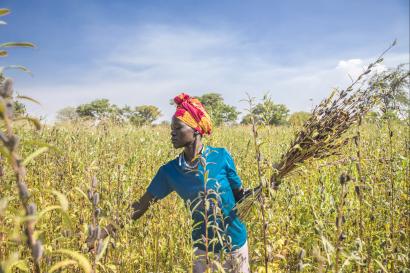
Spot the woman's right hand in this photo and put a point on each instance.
(142, 205)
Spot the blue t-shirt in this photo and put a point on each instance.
(221, 179)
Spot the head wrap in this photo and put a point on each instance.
(192, 112)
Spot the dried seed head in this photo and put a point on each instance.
(94, 182)
(96, 198)
(300, 266)
(97, 233)
(90, 195)
(31, 209)
(357, 190)
(37, 251)
(12, 142)
(302, 254)
(9, 109)
(90, 230)
(6, 89)
(99, 246)
(23, 191)
(97, 212)
(344, 178)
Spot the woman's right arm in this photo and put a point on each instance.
(142, 205)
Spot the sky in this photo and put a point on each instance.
(146, 52)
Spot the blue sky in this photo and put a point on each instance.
(146, 52)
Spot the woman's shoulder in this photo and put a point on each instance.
(171, 162)
(220, 151)
(168, 165)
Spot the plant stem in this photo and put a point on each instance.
(10, 141)
(339, 222)
(392, 195)
(359, 187)
(262, 199)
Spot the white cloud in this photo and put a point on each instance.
(354, 67)
(154, 63)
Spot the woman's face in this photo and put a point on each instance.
(181, 134)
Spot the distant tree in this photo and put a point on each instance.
(219, 111)
(165, 123)
(394, 91)
(102, 109)
(144, 115)
(298, 118)
(98, 109)
(67, 114)
(267, 112)
(19, 109)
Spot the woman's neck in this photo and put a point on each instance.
(192, 150)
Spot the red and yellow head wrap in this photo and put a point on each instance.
(192, 112)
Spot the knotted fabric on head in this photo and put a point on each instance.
(192, 112)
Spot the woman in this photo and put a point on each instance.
(185, 175)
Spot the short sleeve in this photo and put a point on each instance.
(233, 177)
(159, 186)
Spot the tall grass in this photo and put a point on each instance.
(301, 234)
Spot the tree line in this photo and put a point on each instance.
(221, 113)
(266, 112)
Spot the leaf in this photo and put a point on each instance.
(28, 98)
(3, 204)
(83, 193)
(382, 266)
(112, 267)
(219, 266)
(3, 109)
(3, 53)
(17, 44)
(42, 144)
(61, 264)
(62, 199)
(35, 121)
(12, 262)
(67, 220)
(81, 260)
(22, 265)
(4, 11)
(34, 155)
(47, 209)
(19, 67)
(5, 153)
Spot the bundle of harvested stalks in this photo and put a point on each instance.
(322, 135)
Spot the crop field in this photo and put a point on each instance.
(347, 213)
